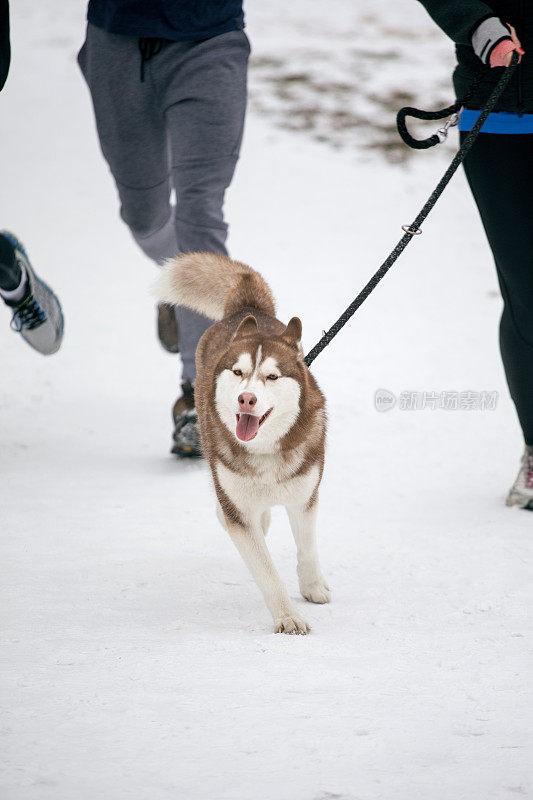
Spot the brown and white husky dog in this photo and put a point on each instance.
(262, 420)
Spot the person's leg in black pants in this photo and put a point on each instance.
(10, 272)
(499, 169)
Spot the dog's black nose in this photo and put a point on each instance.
(247, 401)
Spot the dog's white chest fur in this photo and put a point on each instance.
(267, 486)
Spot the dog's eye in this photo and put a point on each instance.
(272, 377)
(237, 372)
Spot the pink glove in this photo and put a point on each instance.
(501, 55)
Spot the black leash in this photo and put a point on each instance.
(453, 111)
(414, 229)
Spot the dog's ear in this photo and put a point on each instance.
(293, 331)
(246, 327)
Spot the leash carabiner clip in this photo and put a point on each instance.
(451, 122)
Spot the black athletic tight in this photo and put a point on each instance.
(10, 274)
(499, 169)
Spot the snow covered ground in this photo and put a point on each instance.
(138, 658)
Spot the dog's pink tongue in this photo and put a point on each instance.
(247, 427)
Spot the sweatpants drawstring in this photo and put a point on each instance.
(149, 48)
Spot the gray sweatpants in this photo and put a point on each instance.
(181, 128)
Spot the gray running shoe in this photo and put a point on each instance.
(186, 434)
(521, 493)
(38, 317)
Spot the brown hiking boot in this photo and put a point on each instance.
(186, 434)
(167, 328)
(185, 401)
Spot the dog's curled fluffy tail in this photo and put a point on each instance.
(213, 285)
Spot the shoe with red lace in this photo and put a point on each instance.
(521, 493)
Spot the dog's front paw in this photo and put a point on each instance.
(293, 624)
(315, 591)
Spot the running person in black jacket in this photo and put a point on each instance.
(36, 311)
(499, 169)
